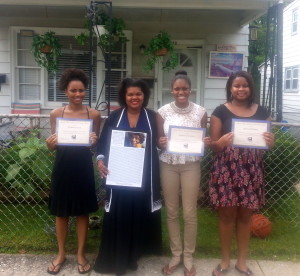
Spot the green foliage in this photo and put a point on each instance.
(257, 48)
(115, 27)
(47, 60)
(282, 164)
(160, 41)
(28, 166)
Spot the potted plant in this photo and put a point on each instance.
(102, 26)
(46, 49)
(159, 46)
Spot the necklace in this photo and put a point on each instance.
(181, 110)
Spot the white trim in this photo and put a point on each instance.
(180, 45)
(294, 11)
(43, 81)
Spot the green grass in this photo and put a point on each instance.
(28, 228)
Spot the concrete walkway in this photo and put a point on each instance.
(36, 265)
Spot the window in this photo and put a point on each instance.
(27, 73)
(73, 56)
(292, 79)
(35, 84)
(120, 64)
(294, 21)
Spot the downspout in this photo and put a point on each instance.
(279, 61)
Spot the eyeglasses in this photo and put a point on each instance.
(183, 89)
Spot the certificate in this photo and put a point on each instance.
(186, 140)
(126, 159)
(73, 132)
(249, 133)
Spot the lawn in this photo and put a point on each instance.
(33, 232)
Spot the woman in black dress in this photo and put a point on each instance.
(73, 187)
(132, 222)
(236, 185)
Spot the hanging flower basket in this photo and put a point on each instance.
(162, 52)
(46, 49)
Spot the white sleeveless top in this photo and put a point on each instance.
(190, 116)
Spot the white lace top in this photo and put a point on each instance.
(190, 116)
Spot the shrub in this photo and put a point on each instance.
(26, 167)
(282, 164)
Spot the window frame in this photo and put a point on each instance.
(45, 104)
(294, 21)
(291, 79)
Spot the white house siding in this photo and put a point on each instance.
(214, 89)
(211, 27)
(291, 58)
(5, 93)
(223, 28)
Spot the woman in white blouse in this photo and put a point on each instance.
(180, 173)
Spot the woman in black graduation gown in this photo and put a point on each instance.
(132, 221)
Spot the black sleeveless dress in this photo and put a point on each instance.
(72, 186)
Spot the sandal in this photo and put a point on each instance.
(168, 270)
(53, 271)
(219, 271)
(83, 266)
(191, 272)
(248, 272)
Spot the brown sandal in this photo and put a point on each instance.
(219, 271)
(191, 272)
(248, 272)
(168, 270)
(84, 268)
(53, 271)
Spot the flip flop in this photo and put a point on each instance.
(191, 272)
(168, 270)
(247, 272)
(219, 270)
(83, 266)
(53, 271)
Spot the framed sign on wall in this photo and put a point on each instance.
(223, 64)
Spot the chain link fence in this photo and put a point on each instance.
(25, 175)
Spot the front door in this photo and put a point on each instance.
(189, 61)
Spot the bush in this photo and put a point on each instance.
(282, 164)
(26, 167)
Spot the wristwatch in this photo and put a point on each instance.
(100, 157)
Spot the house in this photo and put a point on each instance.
(291, 62)
(205, 32)
(291, 68)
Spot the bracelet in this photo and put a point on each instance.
(100, 157)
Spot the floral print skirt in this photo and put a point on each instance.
(237, 178)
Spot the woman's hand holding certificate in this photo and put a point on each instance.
(73, 132)
(250, 133)
(186, 140)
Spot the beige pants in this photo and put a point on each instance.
(187, 179)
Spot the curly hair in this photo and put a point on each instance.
(72, 74)
(130, 82)
(249, 79)
(140, 135)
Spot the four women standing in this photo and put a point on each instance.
(132, 224)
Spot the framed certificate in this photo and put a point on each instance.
(249, 133)
(126, 159)
(186, 140)
(73, 132)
